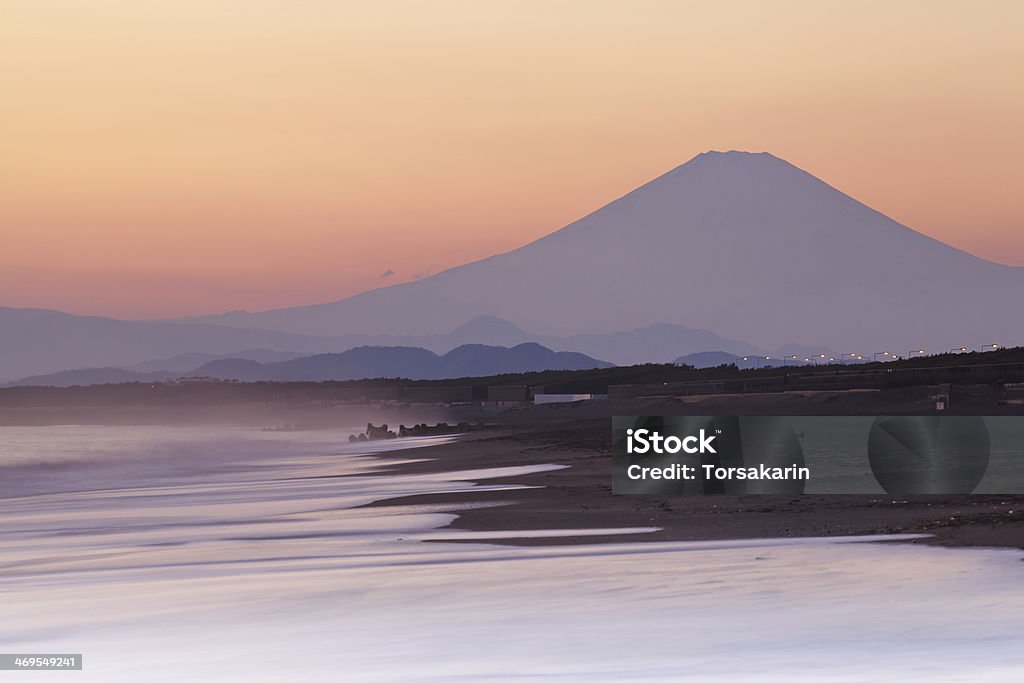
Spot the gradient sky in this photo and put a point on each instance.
(167, 158)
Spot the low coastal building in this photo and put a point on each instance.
(509, 394)
(541, 398)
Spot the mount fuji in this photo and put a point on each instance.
(744, 244)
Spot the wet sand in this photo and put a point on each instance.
(579, 496)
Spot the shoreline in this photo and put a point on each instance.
(579, 496)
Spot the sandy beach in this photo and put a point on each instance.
(579, 496)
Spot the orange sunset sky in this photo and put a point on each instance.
(170, 158)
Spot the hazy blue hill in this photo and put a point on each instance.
(188, 361)
(241, 369)
(489, 329)
(658, 343)
(480, 360)
(357, 363)
(410, 362)
(86, 376)
(36, 341)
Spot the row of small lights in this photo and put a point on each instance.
(855, 356)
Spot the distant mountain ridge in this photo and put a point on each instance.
(35, 343)
(468, 360)
(86, 376)
(659, 343)
(189, 361)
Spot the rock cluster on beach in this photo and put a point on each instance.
(375, 433)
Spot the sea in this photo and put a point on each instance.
(234, 554)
